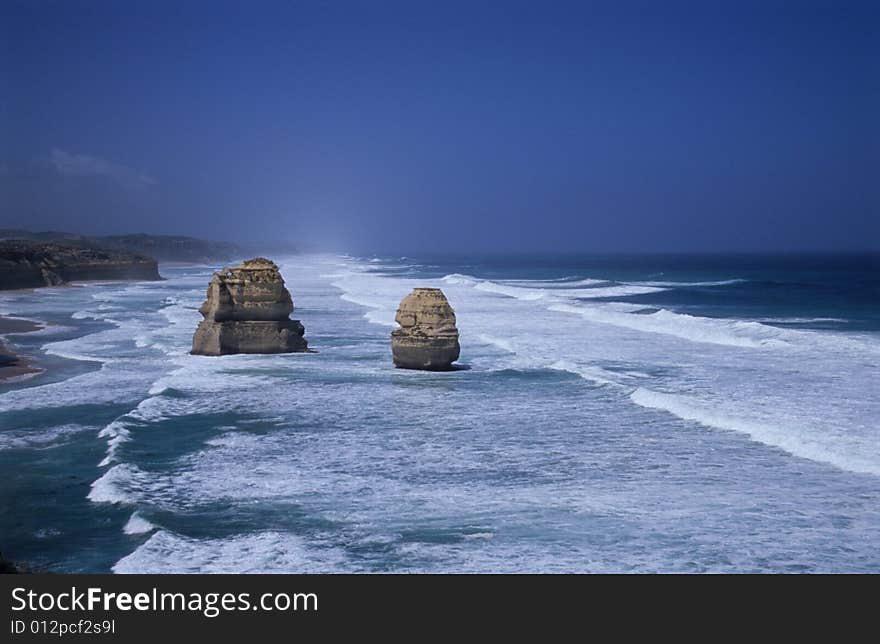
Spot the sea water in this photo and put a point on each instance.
(614, 414)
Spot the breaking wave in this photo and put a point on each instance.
(846, 452)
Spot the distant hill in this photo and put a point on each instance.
(169, 248)
(163, 248)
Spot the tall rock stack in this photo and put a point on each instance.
(427, 338)
(247, 311)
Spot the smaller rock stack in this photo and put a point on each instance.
(247, 311)
(427, 338)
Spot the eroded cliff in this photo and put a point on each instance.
(29, 264)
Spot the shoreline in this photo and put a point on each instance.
(73, 284)
(14, 367)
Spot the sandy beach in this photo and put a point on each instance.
(13, 366)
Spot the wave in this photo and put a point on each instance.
(361, 300)
(378, 313)
(720, 331)
(692, 284)
(501, 343)
(458, 278)
(540, 342)
(535, 290)
(564, 283)
(688, 327)
(799, 441)
(588, 372)
(510, 291)
(116, 433)
(112, 486)
(522, 293)
(260, 552)
(561, 284)
(796, 320)
(625, 290)
(137, 525)
(38, 439)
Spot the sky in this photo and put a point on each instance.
(446, 126)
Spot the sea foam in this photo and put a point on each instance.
(800, 441)
(137, 525)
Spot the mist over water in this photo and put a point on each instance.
(614, 416)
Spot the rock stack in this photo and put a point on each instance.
(247, 311)
(427, 337)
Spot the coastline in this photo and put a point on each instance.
(61, 432)
(72, 284)
(12, 365)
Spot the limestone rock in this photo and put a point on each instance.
(427, 338)
(247, 311)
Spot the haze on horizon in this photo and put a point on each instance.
(447, 127)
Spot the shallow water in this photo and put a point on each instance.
(618, 414)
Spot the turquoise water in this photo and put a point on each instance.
(630, 414)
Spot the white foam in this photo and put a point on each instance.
(112, 486)
(510, 291)
(458, 278)
(501, 343)
(380, 312)
(688, 327)
(842, 451)
(685, 284)
(137, 525)
(480, 535)
(588, 372)
(380, 317)
(554, 291)
(797, 320)
(625, 290)
(116, 433)
(262, 552)
(560, 283)
(37, 438)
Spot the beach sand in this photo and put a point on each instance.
(13, 366)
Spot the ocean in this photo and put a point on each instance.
(613, 414)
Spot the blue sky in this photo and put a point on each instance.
(416, 126)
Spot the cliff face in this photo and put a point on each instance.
(29, 264)
(427, 338)
(246, 311)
